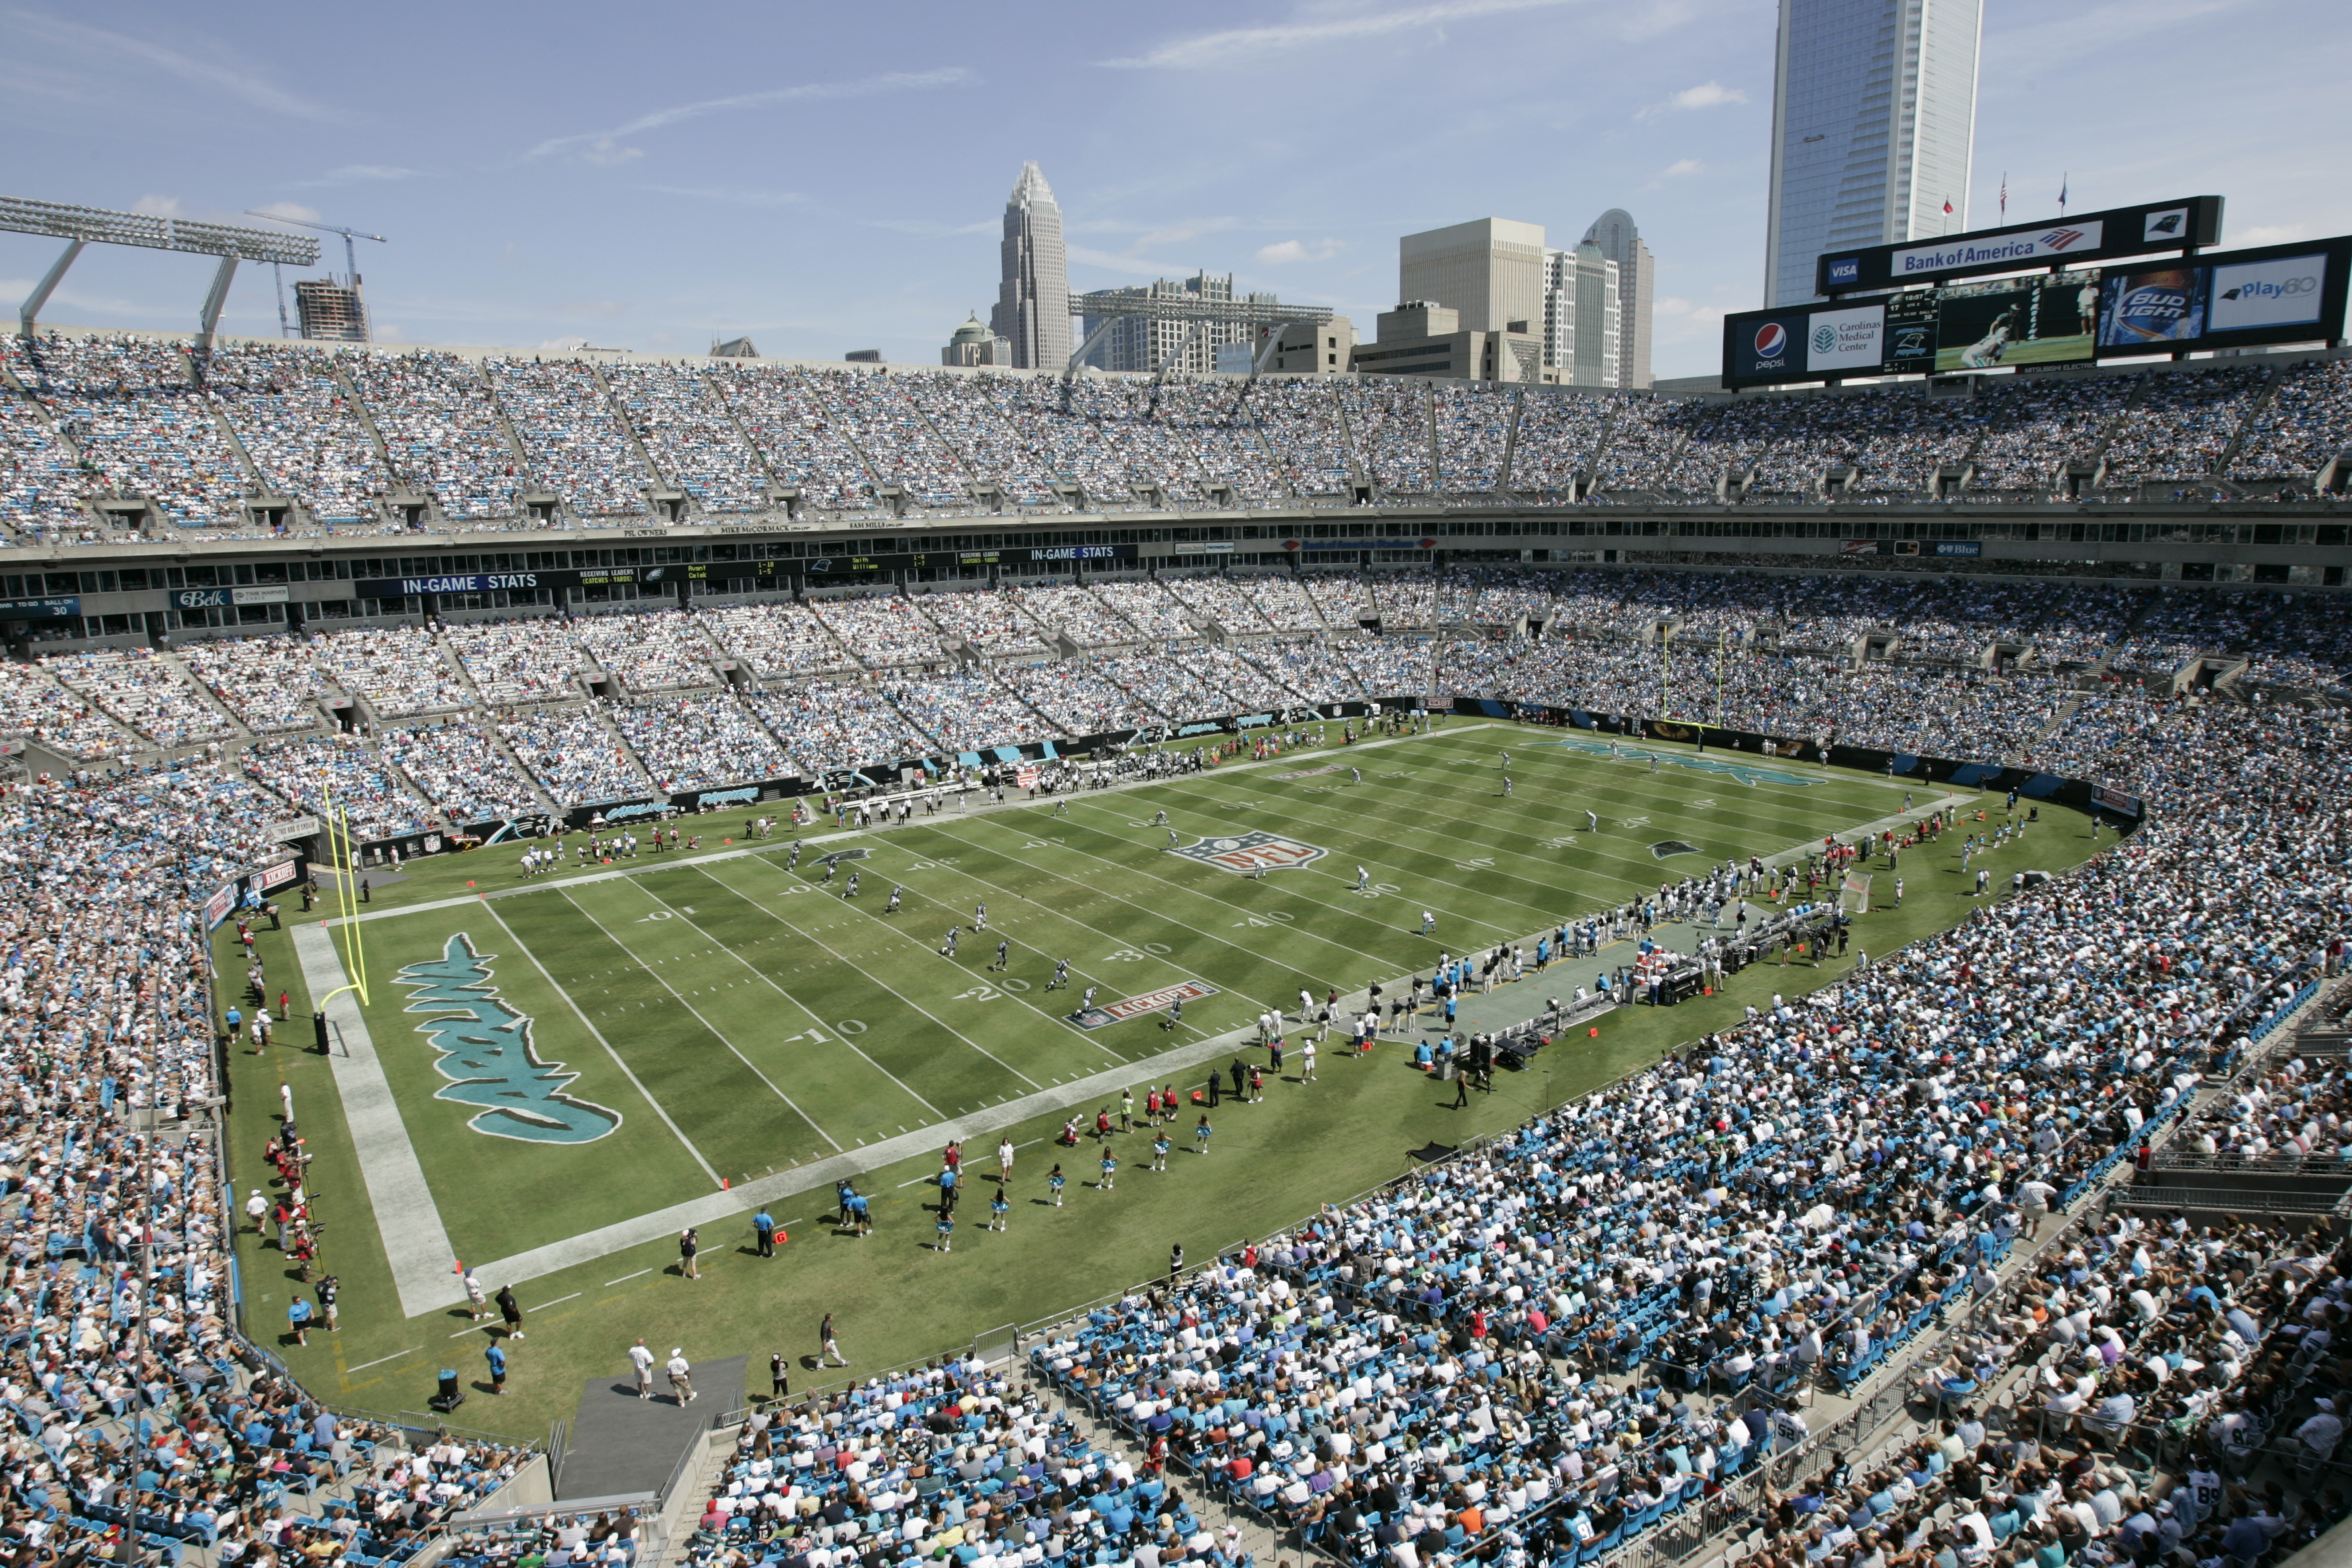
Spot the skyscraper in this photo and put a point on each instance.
(1873, 122)
(1033, 302)
(1637, 281)
(1583, 317)
(1491, 271)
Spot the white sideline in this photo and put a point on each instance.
(414, 1243)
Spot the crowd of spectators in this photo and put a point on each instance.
(41, 484)
(398, 671)
(1230, 602)
(269, 682)
(969, 711)
(1147, 607)
(988, 620)
(574, 443)
(681, 418)
(439, 422)
(321, 776)
(2306, 424)
(831, 724)
(460, 771)
(1299, 420)
(649, 650)
(1073, 612)
(2181, 424)
(777, 639)
(882, 629)
(1079, 696)
(34, 706)
(1171, 689)
(1525, 1348)
(897, 438)
(799, 433)
(1390, 418)
(300, 427)
(146, 693)
(694, 742)
(1474, 427)
(571, 752)
(137, 416)
(143, 424)
(513, 662)
(945, 1462)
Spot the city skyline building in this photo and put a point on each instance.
(1140, 343)
(1620, 240)
(1489, 271)
(1033, 299)
(1874, 127)
(1582, 317)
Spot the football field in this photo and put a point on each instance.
(548, 1077)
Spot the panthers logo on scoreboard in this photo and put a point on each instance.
(1249, 852)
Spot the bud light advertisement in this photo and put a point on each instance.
(2156, 308)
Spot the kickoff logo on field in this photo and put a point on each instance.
(1150, 1002)
(1250, 852)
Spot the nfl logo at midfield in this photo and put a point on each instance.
(1248, 852)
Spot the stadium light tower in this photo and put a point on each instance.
(79, 226)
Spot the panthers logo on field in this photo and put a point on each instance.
(1248, 852)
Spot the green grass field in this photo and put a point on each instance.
(728, 1018)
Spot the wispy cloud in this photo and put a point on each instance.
(605, 146)
(222, 76)
(1289, 250)
(731, 197)
(292, 212)
(2273, 234)
(931, 229)
(1706, 95)
(351, 174)
(1215, 48)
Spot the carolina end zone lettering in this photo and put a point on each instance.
(489, 1058)
(1136, 1007)
(1248, 852)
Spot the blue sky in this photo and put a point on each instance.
(831, 177)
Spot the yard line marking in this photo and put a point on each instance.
(675, 1130)
(382, 1359)
(894, 991)
(473, 1327)
(625, 1278)
(706, 1022)
(558, 882)
(1013, 923)
(1324, 980)
(797, 1001)
(544, 1306)
(1360, 911)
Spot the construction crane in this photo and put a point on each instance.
(350, 257)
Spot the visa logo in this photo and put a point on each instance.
(1847, 270)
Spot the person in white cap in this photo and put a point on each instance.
(681, 1376)
(477, 1297)
(256, 1209)
(642, 1360)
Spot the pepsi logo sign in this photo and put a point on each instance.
(1772, 339)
